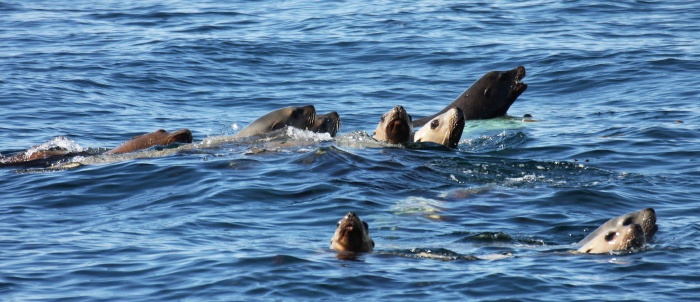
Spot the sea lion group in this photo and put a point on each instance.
(628, 232)
(490, 96)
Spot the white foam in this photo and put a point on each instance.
(61, 142)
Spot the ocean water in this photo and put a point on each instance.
(613, 91)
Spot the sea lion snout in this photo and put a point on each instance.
(352, 235)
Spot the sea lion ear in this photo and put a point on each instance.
(366, 226)
(372, 241)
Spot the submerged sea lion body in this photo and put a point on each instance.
(352, 235)
(326, 123)
(445, 129)
(395, 127)
(157, 138)
(625, 232)
(40, 157)
(298, 117)
(489, 97)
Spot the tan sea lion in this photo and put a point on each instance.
(352, 235)
(629, 231)
(445, 129)
(326, 123)
(395, 127)
(489, 97)
(157, 138)
(298, 117)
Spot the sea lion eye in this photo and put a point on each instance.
(627, 221)
(487, 91)
(434, 124)
(610, 236)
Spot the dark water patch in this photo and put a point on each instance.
(440, 254)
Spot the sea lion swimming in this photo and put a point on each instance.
(626, 232)
(157, 138)
(326, 123)
(352, 235)
(489, 97)
(445, 129)
(298, 117)
(395, 127)
(49, 152)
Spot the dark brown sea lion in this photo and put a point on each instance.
(298, 117)
(326, 123)
(352, 235)
(395, 127)
(445, 129)
(157, 138)
(626, 232)
(488, 97)
(37, 158)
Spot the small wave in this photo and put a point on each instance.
(56, 143)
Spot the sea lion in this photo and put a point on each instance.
(395, 127)
(352, 235)
(445, 129)
(488, 97)
(157, 138)
(326, 123)
(625, 232)
(34, 157)
(298, 117)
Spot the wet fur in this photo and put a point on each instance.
(298, 117)
(625, 232)
(395, 127)
(445, 129)
(352, 235)
(490, 96)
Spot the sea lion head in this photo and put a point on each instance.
(326, 123)
(395, 127)
(499, 90)
(179, 136)
(352, 235)
(298, 117)
(628, 231)
(445, 129)
(302, 118)
(622, 238)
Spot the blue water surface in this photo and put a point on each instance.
(613, 93)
